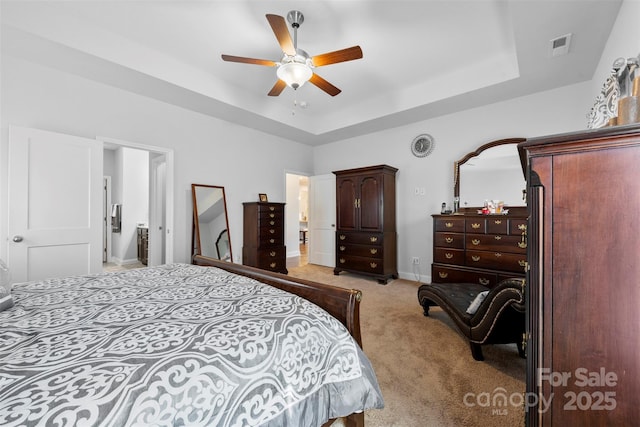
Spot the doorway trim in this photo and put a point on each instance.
(113, 143)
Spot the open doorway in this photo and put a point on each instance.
(140, 195)
(297, 219)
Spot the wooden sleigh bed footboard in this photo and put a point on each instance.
(343, 304)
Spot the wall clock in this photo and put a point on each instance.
(422, 145)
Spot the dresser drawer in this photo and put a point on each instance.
(449, 240)
(366, 265)
(497, 225)
(449, 224)
(496, 260)
(496, 243)
(445, 274)
(269, 254)
(361, 238)
(517, 226)
(360, 250)
(270, 221)
(475, 225)
(448, 256)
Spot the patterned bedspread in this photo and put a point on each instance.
(175, 345)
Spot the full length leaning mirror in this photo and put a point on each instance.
(210, 222)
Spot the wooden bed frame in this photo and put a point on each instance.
(343, 304)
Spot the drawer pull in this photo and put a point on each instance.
(483, 281)
(497, 254)
(522, 263)
(448, 224)
(342, 248)
(373, 239)
(272, 240)
(475, 258)
(448, 255)
(475, 242)
(272, 253)
(272, 230)
(342, 261)
(271, 208)
(272, 223)
(522, 227)
(523, 243)
(475, 225)
(373, 251)
(497, 237)
(497, 221)
(272, 215)
(273, 265)
(342, 237)
(443, 275)
(448, 239)
(373, 265)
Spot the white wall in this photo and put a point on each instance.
(549, 112)
(206, 150)
(561, 110)
(211, 151)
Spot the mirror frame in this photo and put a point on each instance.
(195, 238)
(471, 155)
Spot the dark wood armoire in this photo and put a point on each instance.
(366, 236)
(583, 290)
(263, 236)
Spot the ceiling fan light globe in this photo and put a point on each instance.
(294, 74)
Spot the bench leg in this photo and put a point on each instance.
(521, 352)
(476, 352)
(425, 310)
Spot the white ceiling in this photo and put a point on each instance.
(421, 59)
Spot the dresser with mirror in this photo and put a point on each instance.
(469, 246)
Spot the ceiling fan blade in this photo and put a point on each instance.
(324, 85)
(244, 60)
(277, 88)
(348, 54)
(279, 27)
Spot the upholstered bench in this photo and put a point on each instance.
(499, 317)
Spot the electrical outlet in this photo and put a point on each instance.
(415, 260)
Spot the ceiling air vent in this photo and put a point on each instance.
(560, 45)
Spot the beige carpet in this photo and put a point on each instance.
(424, 366)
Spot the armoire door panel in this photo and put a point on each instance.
(347, 205)
(370, 209)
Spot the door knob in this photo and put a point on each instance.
(17, 239)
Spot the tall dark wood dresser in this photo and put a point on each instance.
(583, 290)
(263, 236)
(366, 222)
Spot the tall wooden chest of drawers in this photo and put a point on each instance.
(482, 249)
(366, 222)
(263, 236)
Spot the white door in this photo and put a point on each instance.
(55, 204)
(157, 224)
(322, 219)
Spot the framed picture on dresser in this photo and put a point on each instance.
(263, 197)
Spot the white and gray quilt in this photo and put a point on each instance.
(175, 345)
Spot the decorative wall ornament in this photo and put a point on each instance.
(606, 104)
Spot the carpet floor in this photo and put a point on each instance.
(424, 365)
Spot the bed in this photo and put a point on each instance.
(210, 343)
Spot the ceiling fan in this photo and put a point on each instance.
(296, 66)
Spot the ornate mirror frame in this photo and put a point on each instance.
(210, 203)
(474, 154)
